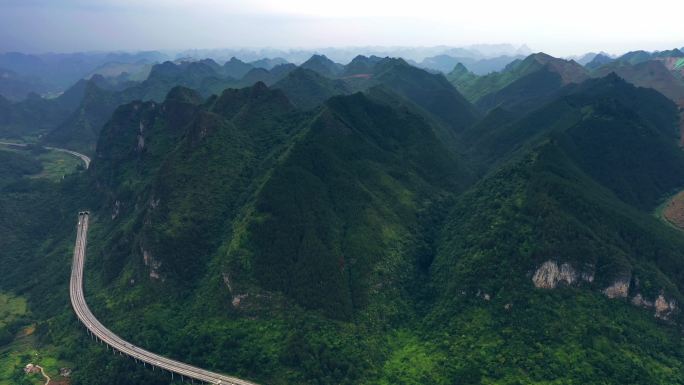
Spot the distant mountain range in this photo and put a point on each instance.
(521, 86)
(526, 84)
(446, 63)
(53, 72)
(372, 222)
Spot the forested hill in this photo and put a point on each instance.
(367, 224)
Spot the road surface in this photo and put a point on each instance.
(84, 158)
(115, 342)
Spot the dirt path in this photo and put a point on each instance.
(47, 378)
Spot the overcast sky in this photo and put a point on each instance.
(557, 27)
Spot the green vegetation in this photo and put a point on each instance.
(307, 89)
(56, 165)
(522, 86)
(649, 74)
(37, 162)
(11, 307)
(36, 223)
(388, 236)
(24, 350)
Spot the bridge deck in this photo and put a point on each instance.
(115, 342)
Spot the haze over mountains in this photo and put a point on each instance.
(422, 216)
(522, 84)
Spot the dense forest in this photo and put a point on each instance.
(374, 223)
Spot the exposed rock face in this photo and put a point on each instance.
(619, 289)
(226, 281)
(116, 209)
(549, 275)
(664, 308)
(639, 300)
(141, 138)
(238, 298)
(587, 276)
(153, 264)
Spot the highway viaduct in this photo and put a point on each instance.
(119, 346)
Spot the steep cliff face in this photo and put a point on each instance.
(549, 275)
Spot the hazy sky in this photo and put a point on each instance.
(556, 27)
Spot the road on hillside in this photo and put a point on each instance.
(117, 344)
(84, 158)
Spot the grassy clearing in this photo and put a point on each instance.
(56, 165)
(660, 210)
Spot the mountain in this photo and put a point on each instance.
(74, 119)
(323, 65)
(431, 92)
(460, 76)
(676, 53)
(307, 89)
(389, 236)
(598, 61)
(205, 75)
(259, 125)
(586, 182)
(80, 130)
(355, 223)
(60, 70)
(131, 71)
(634, 57)
(351, 146)
(442, 63)
(35, 115)
(15, 87)
(650, 74)
(271, 77)
(267, 63)
(479, 66)
(501, 134)
(526, 93)
(361, 65)
(523, 85)
(235, 68)
(568, 71)
(586, 58)
(543, 250)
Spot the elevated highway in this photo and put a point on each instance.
(117, 344)
(84, 158)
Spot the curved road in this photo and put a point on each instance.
(84, 158)
(115, 342)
